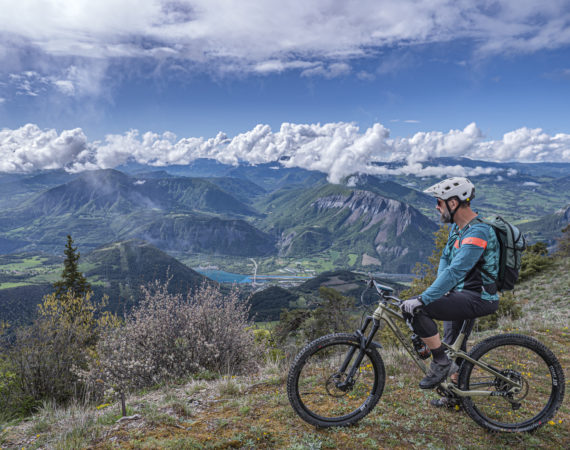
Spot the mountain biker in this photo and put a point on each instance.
(463, 288)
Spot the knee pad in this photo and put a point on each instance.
(423, 325)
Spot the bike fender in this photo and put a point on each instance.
(376, 344)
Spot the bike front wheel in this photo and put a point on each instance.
(527, 362)
(319, 388)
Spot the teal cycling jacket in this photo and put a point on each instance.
(466, 251)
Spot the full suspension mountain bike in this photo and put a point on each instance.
(508, 382)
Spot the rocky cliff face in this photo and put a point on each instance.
(370, 208)
(367, 223)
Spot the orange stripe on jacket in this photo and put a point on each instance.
(475, 241)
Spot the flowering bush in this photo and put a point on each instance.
(168, 337)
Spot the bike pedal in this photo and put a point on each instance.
(446, 402)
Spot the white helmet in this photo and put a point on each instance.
(458, 187)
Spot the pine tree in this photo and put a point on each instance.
(71, 278)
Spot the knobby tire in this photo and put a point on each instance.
(525, 360)
(311, 382)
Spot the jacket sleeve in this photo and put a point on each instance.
(443, 264)
(471, 248)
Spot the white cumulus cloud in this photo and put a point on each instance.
(29, 148)
(337, 149)
(526, 144)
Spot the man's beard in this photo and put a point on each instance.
(445, 217)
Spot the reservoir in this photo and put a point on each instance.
(223, 277)
(227, 277)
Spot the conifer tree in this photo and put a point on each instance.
(71, 278)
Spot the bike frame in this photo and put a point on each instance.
(389, 316)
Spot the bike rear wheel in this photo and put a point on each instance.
(318, 390)
(524, 360)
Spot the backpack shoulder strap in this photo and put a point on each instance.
(492, 287)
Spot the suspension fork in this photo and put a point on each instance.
(365, 342)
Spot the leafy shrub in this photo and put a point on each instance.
(265, 340)
(12, 403)
(167, 337)
(331, 315)
(535, 259)
(46, 355)
(563, 244)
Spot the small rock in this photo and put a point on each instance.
(127, 418)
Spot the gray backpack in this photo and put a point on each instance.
(512, 244)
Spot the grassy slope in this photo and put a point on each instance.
(254, 412)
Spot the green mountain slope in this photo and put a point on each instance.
(111, 191)
(18, 188)
(339, 218)
(194, 194)
(204, 234)
(18, 305)
(548, 228)
(122, 267)
(107, 205)
(391, 189)
(267, 304)
(244, 190)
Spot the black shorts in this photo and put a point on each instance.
(453, 306)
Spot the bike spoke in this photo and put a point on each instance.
(523, 366)
(320, 387)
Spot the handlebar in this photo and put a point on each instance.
(383, 291)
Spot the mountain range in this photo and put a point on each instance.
(136, 224)
(265, 210)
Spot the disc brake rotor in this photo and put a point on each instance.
(504, 386)
(333, 385)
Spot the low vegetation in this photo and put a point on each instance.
(226, 389)
(169, 337)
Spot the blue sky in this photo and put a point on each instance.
(87, 85)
